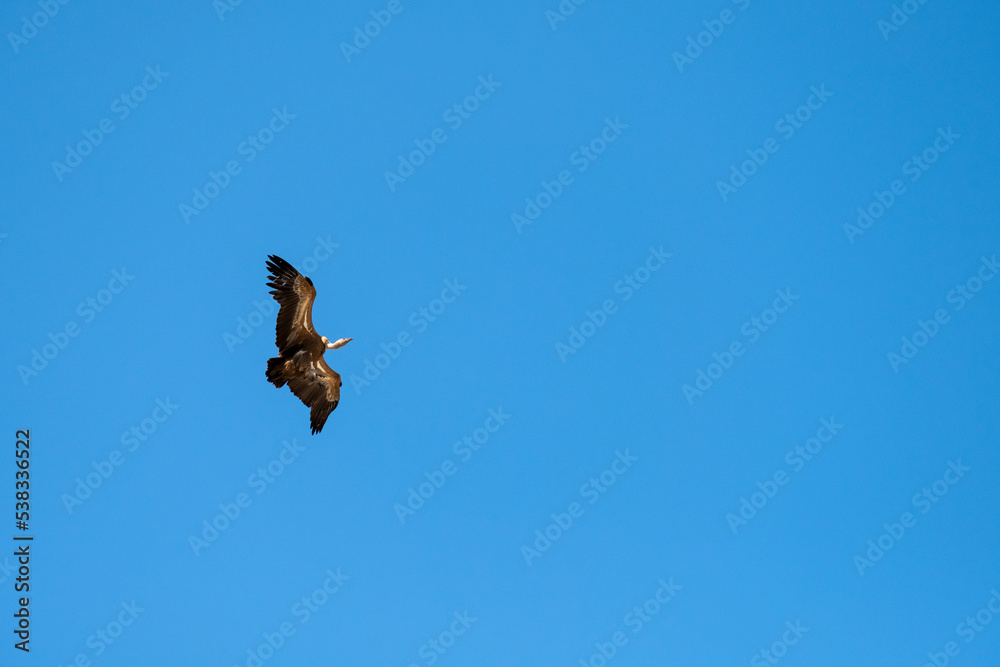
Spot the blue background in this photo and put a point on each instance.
(169, 334)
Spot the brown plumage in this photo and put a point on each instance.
(301, 364)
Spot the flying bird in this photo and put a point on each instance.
(301, 349)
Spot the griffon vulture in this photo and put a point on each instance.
(301, 349)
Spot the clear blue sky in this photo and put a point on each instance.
(609, 282)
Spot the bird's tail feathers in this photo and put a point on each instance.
(274, 367)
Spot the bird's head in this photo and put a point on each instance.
(337, 344)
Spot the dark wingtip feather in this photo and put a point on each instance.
(319, 415)
(280, 270)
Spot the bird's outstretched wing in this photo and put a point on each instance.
(319, 388)
(295, 294)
